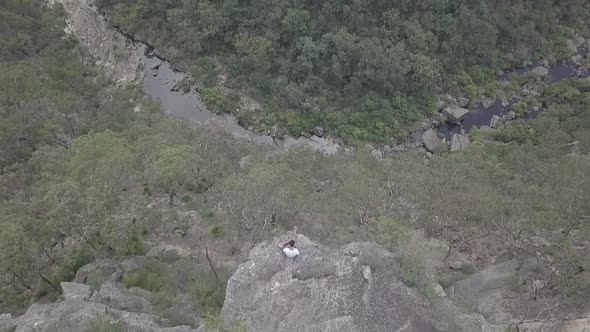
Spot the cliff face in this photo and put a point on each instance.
(118, 60)
(353, 288)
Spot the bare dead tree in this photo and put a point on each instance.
(211, 265)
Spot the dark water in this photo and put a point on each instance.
(481, 117)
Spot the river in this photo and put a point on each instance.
(93, 32)
(159, 85)
(189, 106)
(480, 116)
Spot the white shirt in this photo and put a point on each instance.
(291, 252)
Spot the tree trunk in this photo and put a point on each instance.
(210, 261)
(23, 282)
(50, 283)
(49, 256)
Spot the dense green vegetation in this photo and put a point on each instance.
(366, 70)
(89, 171)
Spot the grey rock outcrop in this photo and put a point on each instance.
(455, 113)
(74, 291)
(431, 141)
(105, 45)
(81, 316)
(354, 288)
(459, 142)
(483, 291)
(118, 298)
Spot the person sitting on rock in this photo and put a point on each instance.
(289, 247)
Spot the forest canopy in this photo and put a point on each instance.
(365, 70)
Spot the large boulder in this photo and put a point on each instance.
(119, 298)
(459, 142)
(353, 288)
(318, 131)
(463, 102)
(495, 121)
(431, 141)
(487, 103)
(96, 273)
(85, 316)
(541, 71)
(455, 113)
(75, 291)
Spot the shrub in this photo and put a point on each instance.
(204, 71)
(520, 109)
(150, 277)
(135, 246)
(413, 273)
(468, 268)
(209, 292)
(216, 231)
(212, 97)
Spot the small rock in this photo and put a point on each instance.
(455, 114)
(459, 142)
(156, 66)
(154, 74)
(273, 131)
(399, 148)
(495, 121)
(305, 134)
(574, 147)
(539, 284)
(367, 272)
(505, 103)
(318, 131)
(544, 63)
(541, 71)
(485, 128)
(180, 232)
(5, 316)
(487, 103)
(387, 150)
(511, 115)
(431, 141)
(377, 154)
(160, 249)
(246, 162)
(572, 45)
(438, 290)
(440, 104)
(463, 102)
